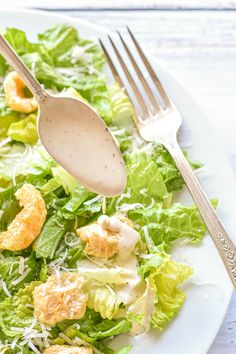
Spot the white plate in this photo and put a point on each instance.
(193, 331)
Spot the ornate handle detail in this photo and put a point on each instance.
(230, 253)
(224, 244)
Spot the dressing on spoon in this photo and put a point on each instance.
(74, 135)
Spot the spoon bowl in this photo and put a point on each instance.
(78, 139)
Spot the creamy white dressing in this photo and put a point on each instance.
(126, 258)
(81, 143)
(129, 291)
(128, 237)
(122, 273)
(144, 307)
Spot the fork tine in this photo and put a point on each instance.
(140, 75)
(151, 71)
(130, 79)
(119, 81)
(111, 65)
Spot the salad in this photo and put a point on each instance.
(77, 270)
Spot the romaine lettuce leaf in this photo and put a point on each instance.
(103, 300)
(168, 169)
(93, 330)
(47, 242)
(164, 280)
(7, 116)
(60, 178)
(122, 109)
(110, 328)
(19, 41)
(145, 184)
(166, 225)
(18, 161)
(24, 130)
(9, 206)
(75, 254)
(58, 40)
(10, 272)
(68, 182)
(79, 195)
(14, 312)
(124, 138)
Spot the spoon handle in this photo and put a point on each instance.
(14, 60)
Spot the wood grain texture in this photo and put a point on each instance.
(199, 49)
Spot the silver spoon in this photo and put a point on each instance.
(74, 135)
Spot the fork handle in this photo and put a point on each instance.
(219, 235)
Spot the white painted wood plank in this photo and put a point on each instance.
(118, 4)
(199, 48)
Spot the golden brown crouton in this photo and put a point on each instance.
(100, 242)
(61, 298)
(26, 226)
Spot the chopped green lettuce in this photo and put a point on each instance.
(19, 161)
(103, 300)
(9, 206)
(11, 274)
(167, 225)
(145, 184)
(24, 130)
(7, 116)
(53, 230)
(79, 195)
(94, 330)
(14, 313)
(65, 179)
(168, 169)
(165, 276)
(122, 109)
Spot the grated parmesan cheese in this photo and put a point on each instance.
(66, 339)
(21, 265)
(126, 207)
(13, 344)
(5, 289)
(4, 142)
(22, 277)
(93, 200)
(32, 346)
(148, 238)
(30, 306)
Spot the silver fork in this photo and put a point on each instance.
(160, 123)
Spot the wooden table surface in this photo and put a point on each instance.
(196, 42)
